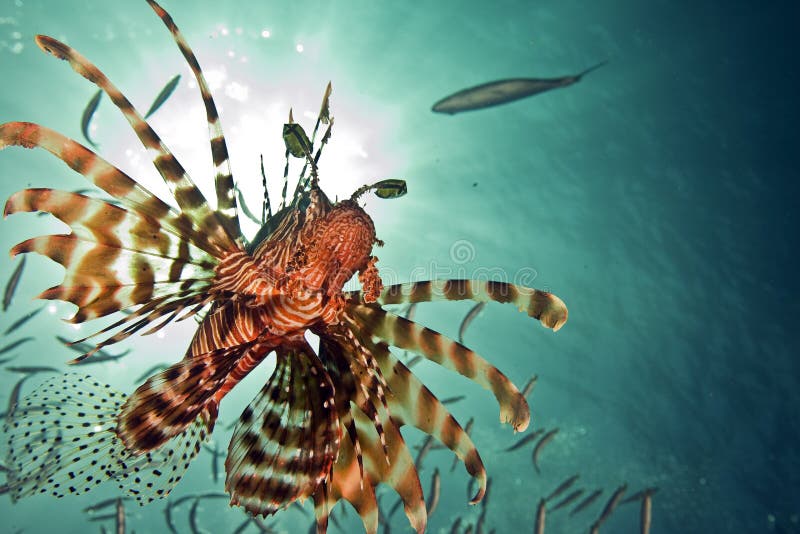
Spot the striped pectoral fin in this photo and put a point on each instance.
(448, 353)
(186, 194)
(411, 402)
(108, 178)
(168, 402)
(92, 219)
(287, 439)
(548, 308)
(226, 200)
(95, 271)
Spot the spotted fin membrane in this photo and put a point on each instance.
(62, 441)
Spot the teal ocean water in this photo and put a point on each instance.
(658, 198)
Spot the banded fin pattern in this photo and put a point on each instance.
(548, 308)
(62, 441)
(189, 198)
(168, 402)
(288, 438)
(227, 211)
(377, 443)
(448, 353)
(411, 402)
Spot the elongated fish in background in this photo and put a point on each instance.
(436, 488)
(525, 440)
(33, 369)
(612, 503)
(564, 486)
(13, 345)
(13, 399)
(163, 95)
(88, 113)
(640, 495)
(585, 503)
(245, 209)
(105, 503)
(22, 320)
(453, 400)
(569, 499)
(646, 513)
(540, 515)
(120, 517)
(11, 286)
(216, 454)
(504, 91)
(547, 438)
(473, 312)
(529, 386)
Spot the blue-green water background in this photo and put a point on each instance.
(658, 198)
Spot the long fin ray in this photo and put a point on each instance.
(186, 194)
(411, 402)
(226, 200)
(105, 176)
(548, 308)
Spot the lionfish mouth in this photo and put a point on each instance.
(326, 425)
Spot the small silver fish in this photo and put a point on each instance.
(105, 503)
(525, 440)
(612, 503)
(11, 286)
(436, 488)
(586, 502)
(245, 209)
(22, 320)
(566, 501)
(564, 486)
(541, 511)
(547, 438)
(646, 514)
(120, 517)
(88, 113)
(163, 95)
(529, 386)
(13, 399)
(423, 452)
(471, 315)
(503, 91)
(453, 400)
(14, 344)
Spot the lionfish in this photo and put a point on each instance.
(326, 424)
